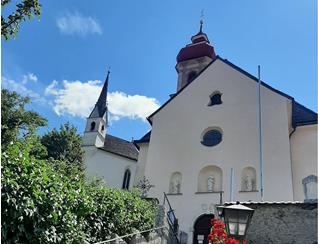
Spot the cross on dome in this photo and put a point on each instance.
(201, 21)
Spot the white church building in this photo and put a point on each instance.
(204, 144)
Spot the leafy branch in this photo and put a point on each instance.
(10, 24)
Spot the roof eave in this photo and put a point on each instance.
(178, 92)
(118, 154)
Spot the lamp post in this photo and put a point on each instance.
(237, 219)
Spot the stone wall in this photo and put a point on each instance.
(283, 223)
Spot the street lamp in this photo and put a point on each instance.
(237, 219)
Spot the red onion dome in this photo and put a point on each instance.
(200, 47)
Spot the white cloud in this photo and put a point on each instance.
(29, 77)
(20, 87)
(74, 98)
(75, 23)
(78, 98)
(131, 106)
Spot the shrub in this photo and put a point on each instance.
(117, 211)
(38, 204)
(41, 205)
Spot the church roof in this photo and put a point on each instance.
(195, 51)
(145, 138)
(120, 147)
(300, 115)
(265, 202)
(303, 115)
(101, 106)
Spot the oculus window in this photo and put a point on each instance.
(211, 138)
(215, 99)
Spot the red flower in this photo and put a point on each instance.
(218, 234)
(231, 241)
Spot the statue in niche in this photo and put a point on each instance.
(248, 183)
(310, 187)
(211, 183)
(311, 190)
(175, 185)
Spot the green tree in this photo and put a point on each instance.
(26, 9)
(16, 121)
(64, 145)
(38, 204)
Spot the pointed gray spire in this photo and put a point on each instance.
(101, 106)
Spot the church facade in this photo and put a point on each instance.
(204, 145)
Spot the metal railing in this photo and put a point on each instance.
(172, 220)
(172, 229)
(130, 235)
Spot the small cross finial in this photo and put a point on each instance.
(108, 70)
(201, 20)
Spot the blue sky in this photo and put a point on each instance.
(62, 60)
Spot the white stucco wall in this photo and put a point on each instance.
(304, 157)
(175, 141)
(142, 159)
(108, 166)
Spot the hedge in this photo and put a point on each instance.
(41, 205)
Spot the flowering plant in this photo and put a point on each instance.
(218, 234)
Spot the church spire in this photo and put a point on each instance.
(96, 123)
(201, 22)
(101, 106)
(201, 25)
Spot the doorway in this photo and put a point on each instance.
(202, 228)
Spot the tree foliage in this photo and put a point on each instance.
(40, 205)
(26, 9)
(64, 145)
(44, 196)
(117, 211)
(15, 119)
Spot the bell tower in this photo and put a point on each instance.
(194, 57)
(96, 123)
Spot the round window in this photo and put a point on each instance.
(211, 138)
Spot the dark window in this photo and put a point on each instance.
(215, 99)
(212, 138)
(191, 76)
(93, 126)
(103, 128)
(126, 180)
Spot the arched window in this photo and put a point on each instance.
(211, 137)
(215, 98)
(248, 179)
(191, 76)
(103, 127)
(126, 180)
(93, 124)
